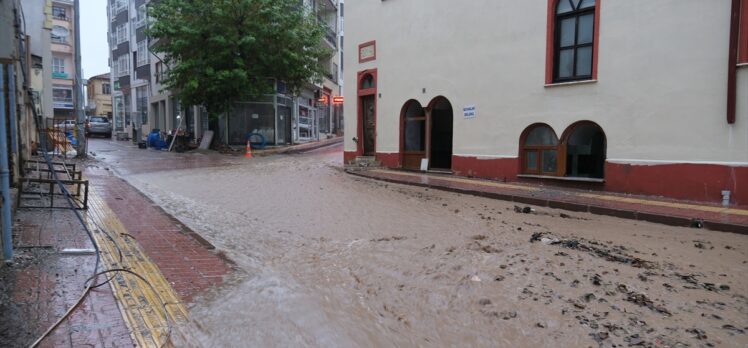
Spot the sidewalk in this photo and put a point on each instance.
(43, 282)
(669, 212)
(299, 147)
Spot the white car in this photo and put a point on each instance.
(66, 125)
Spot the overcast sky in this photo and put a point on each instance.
(94, 46)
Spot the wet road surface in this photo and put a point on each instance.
(331, 260)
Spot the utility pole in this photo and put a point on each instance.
(79, 114)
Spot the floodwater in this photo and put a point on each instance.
(326, 259)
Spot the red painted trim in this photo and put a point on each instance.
(550, 36)
(695, 182)
(502, 169)
(698, 182)
(732, 73)
(370, 43)
(349, 156)
(360, 115)
(390, 160)
(596, 39)
(743, 35)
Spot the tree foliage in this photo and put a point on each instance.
(222, 51)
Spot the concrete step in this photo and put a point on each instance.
(364, 162)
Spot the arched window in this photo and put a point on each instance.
(539, 150)
(367, 82)
(585, 150)
(574, 40)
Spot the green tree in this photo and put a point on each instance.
(223, 51)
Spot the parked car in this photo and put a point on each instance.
(66, 125)
(99, 125)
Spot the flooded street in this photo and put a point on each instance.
(327, 259)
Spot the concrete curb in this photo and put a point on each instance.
(670, 220)
(299, 148)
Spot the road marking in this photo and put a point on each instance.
(705, 208)
(141, 308)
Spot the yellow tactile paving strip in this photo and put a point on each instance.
(142, 309)
(706, 208)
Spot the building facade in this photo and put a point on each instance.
(284, 119)
(130, 66)
(99, 90)
(63, 60)
(627, 96)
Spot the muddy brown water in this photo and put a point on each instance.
(330, 260)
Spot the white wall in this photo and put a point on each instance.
(660, 94)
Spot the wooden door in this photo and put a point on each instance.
(369, 119)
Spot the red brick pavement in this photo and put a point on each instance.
(652, 209)
(42, 284)
(184, 258)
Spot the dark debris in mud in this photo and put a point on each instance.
(644, 301)
(597, 249)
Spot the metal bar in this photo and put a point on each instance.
(85, 196)
(5, 175)
(51, 195)
(12, 108)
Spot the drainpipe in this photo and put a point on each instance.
(12, 103)
(5, 174)
(733, 62)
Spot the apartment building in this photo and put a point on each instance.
(99, 90)
(130, 66)
(283, 118)
(165, 112)
(63, 60)
(647, 97)
(142, 103)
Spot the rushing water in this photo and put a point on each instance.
(330, 260)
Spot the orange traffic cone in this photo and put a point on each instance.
(248, 153)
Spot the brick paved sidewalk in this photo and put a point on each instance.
(185, 259)
(670, 212)
(43, 283)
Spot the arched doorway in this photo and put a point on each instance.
(367, 109)
(440, 149)
(585, 145)
(413, 134)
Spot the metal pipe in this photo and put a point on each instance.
(80, 116)
(5, 174)
(12, 102)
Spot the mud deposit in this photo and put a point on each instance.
(331, 260)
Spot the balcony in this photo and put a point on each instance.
(62, 18)
(331, 37)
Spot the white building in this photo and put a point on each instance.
(631, 96)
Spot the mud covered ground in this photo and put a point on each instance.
(332, 260)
